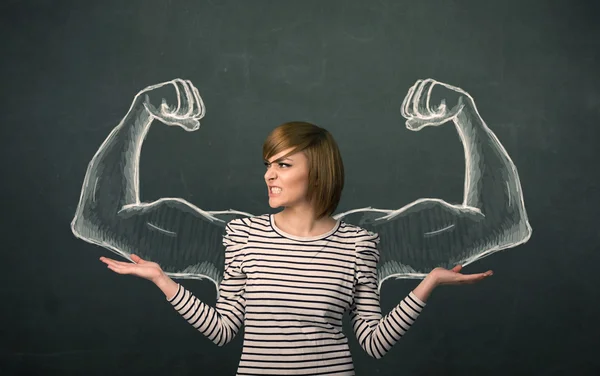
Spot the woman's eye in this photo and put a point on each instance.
(280, 164)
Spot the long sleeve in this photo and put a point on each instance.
(221, 323)
(377, 334)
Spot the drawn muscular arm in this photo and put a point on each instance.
(431, 232)
(183, 239)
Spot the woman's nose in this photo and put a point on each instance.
(269, 175)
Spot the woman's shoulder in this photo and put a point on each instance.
(248, 221)
(358, 232)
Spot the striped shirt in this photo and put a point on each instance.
(291, 293)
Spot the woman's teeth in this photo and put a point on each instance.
(275, 190)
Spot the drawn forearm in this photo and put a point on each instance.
(491, 180)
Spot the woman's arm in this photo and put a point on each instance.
(377, 334)
(221, 323)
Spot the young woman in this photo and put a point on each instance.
(291, 276)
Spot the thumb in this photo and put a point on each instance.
(150, 108)
(137, 259)
(189, 125)
(457, 268)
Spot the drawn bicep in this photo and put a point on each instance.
(424, 235)
(184, 240)
(425, 240)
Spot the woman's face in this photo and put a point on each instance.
(287, 179)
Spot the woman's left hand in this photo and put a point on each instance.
(453, 276)
(441, 276)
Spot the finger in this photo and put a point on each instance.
(453, 88)
(199, 103)
(116, 268)
(434, 105)
(421, 99)
(467, 279)
(184, 99)
(440, 109)
(156, 86)
(165, 109)
(190, 100)
(107, 261)
(129, 266)
(113, 262)
(416, 124)
(457, 268)
(472, 278)
(409, 98)
(120, 270)
(189, 125)
(150, 108)
(137, 259)
(405, 101)
(194, 103)
(428, 98)
(178, 94)
(416, 99)
(407, 104)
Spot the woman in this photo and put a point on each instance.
(289, 277)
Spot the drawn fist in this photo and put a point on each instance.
(175, 102)
(432, 103)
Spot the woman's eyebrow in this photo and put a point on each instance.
(280, 160)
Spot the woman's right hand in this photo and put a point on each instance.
(140, 268)
(146, 269)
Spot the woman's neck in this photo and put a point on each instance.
(303, 223)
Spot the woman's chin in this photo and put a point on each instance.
(273, 204)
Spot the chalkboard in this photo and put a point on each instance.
(71, 72)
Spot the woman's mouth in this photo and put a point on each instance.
(273, 191)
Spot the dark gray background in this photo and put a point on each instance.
(70, 69)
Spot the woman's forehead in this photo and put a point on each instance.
(281, 156)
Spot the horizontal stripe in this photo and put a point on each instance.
(291, 294)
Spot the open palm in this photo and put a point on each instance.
(140, 268)
(454, 277)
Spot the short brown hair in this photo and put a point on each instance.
(325, 166)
